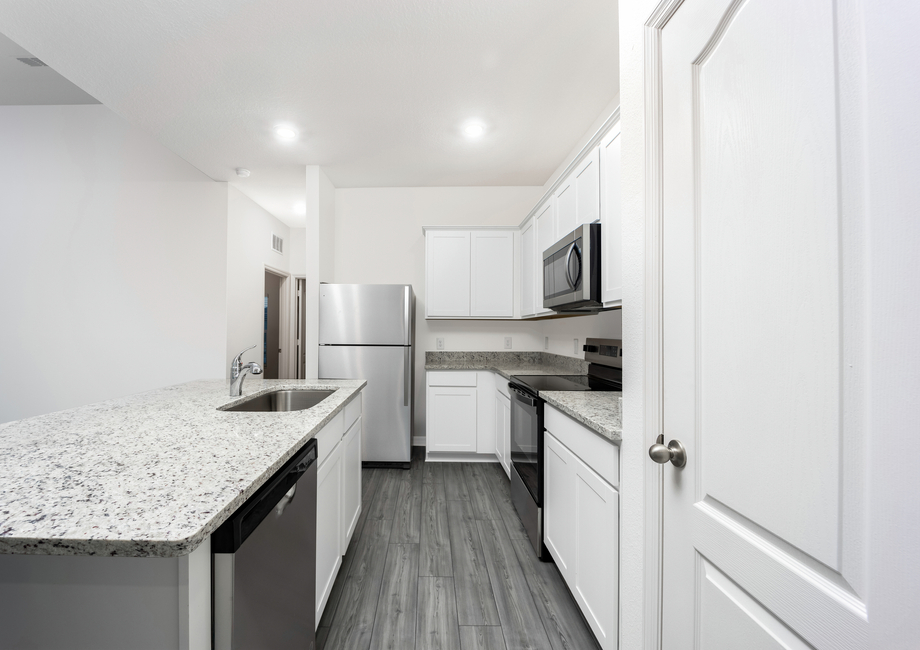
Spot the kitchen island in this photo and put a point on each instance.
(106, 510)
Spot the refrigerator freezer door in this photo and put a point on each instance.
(365, 314)
(387, 413)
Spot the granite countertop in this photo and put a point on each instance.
(600, 411)
(149, 475)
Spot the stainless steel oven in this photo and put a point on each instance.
(572, 271)
(527, 462)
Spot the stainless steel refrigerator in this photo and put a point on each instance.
(366, 331)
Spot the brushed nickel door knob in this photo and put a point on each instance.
(674, 452)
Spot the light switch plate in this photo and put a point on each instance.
(507, 342)
(440, 343)
(546, 343)
(576, 347)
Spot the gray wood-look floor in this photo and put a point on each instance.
(439, 561)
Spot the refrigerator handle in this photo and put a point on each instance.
(406, 317)
(407, 371)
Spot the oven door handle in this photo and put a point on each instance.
(522, 396)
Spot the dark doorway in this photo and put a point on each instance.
(271, 321)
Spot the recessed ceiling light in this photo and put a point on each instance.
(473, 129)
(286, 133)
(300, 208)
(242, 172)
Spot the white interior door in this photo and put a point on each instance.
(763, 529)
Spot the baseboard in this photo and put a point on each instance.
(418, 441)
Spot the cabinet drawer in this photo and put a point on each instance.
(329, 437)
(451, 378)
(598, 454)
(352, 412)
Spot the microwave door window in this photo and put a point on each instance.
(547, 279)
(561, 284)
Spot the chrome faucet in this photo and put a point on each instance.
(238, 372)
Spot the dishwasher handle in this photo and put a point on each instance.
(230, 535)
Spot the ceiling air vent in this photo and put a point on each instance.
(277, 244)
(32, 61)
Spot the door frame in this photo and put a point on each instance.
(654, 314)
(285, 320)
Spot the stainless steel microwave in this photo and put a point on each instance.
(572, 271)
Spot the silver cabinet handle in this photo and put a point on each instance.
(408, 372)
(674, 452)
(568, 277)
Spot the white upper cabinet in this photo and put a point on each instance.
(492, 274)
(611, 257)
(528, 270)
(447, 277)
(469, 273)
(545, 236)
(566, 208)
(587, 190)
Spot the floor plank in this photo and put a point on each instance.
(481, 637)
(384, 504)
(397, 608)
(407, 522)
(495, 476)
(437, 615)
(480, 492)
(521, 623)
(560, 614)
(434, 473)
(475, 601)
(435, 551)
(454, 483)
(353, 623)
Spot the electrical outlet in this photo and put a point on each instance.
(546, 343)
(507, 342)
(440, 342)
(577, 350)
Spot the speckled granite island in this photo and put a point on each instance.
(601, 412)
(106, 510)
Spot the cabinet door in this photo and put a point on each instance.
(558, 510)
(499, 424)
(611, 264)
(447, 273)
(587, 189)
(452, 418)
(506, 434)
(485, 412)
(545, 236)
(596, 510)
(492, 274)
(565, 208)
(328, 526)
(528, 270)
(351, 482)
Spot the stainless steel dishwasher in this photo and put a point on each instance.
(264, 564)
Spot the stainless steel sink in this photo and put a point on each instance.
(281, 400)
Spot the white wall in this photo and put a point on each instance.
(249, 249)
(298, 249)
(114, 256)
(326, 201)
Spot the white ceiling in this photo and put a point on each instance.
(379, 89)
(25, 85)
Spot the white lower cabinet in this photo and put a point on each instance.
(351, 482)
(451, 419)
(503, 430)
(328, 526)
(338, 495)
(581, 520)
